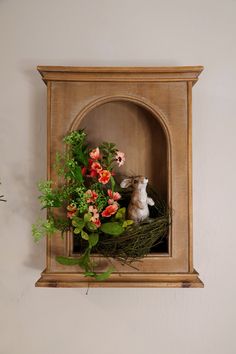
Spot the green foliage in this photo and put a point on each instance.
(78, 148)
(78, 222)
(91, 226)
(43, 227)
(67, 260)
(112, 228)
(49, 198)
(101, 276)
(127, 223)
(81, 199)
(120, 215)
(93, 239)
(84, 235)
(87, 217)
(109, 151)
(113, 183)
(102, 200)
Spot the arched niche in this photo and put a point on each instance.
(136, 131)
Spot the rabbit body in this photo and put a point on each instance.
(138, 206)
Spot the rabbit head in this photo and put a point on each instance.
(136, 182)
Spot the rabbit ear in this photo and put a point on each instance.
(126, 183)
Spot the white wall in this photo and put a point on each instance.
(122, 32)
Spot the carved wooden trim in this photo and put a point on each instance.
(120, 74)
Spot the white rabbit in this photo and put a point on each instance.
(138, 206)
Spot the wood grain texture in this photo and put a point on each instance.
(120, 74)
(147, 112)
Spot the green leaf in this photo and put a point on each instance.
(127, 223)
(87, 217)
(67, 260)
(104, 275)
(84, 235)
(113, 183)
(120, 215)
(78, 174)
(93, 239)
(77, 231)
(43, 227)
(112, 228)
(100, 277)
(78, 222)
(89, 274)
(90, 226)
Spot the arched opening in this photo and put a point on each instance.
(139, 134)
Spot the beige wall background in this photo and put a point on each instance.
(124, 32)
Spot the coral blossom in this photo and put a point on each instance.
(71, 210)
(114, 196)
(96, 166)
(110, 210)
(95, 154)
(92, 196)
(104, 176)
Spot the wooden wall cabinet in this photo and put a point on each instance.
(147, 112)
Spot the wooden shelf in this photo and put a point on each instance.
(147, 112)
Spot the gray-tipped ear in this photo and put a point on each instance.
(126, 183)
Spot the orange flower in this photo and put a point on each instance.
(104, 176)
(95, 154)
(71, 210)
(96, 166)
(71, 207)
(70, 214)
(110, 210)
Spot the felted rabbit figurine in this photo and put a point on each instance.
(138, 206)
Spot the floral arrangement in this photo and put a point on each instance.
(92, 207)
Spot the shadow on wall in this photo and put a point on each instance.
(37, 130)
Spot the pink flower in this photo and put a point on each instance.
(95, 154)
(95, 217)
(96, 166)
(94, 211)
(97, 222)
(110, 210)
(104, 176)
(113, 196)
(92, 196)
(120, 158)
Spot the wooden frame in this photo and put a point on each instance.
(157, 101)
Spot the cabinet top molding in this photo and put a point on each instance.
(120, 73)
